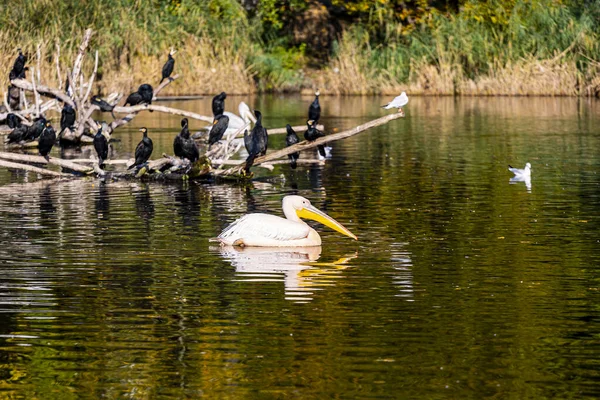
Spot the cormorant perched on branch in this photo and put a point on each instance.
(183, 146)
(18, 69)
(312, 133)
(256, 142)
(143, 151)
(167, 69)
(144, 94)
(103, 105)
(101, 146)
(67, 118)
(314, 110)
(47, 140)
(35, 130)
(291, 139)
(147, 93)
(218, 104)
(219, 127)
(13, 121)
(19, 131)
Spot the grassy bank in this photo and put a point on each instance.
(500, 47)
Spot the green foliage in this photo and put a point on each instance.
(280, 68)
(484, 34)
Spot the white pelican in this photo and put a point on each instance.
(521, 173)
(398, 102)
(267, 230)
(245, 113)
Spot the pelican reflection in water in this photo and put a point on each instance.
(302, 274)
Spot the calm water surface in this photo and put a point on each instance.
(462, 284)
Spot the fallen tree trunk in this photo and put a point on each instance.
(30, 168)
(41, 160)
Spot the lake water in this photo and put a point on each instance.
(462, 284)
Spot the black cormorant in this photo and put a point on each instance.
(256, 142)
(13, 121)
(147, 93)
(47, 140)
(35, 130)
(312, 133)
(218, 104)
(219, 127)
(183, 146)
(67, 118)
(292, 139)
(18, 69)
(167, 69)
(134, 99)
(101, 146)
(143, 151)
(178, 141)
(144, 94)
(314, 110)
(19, 131)
(103, 105)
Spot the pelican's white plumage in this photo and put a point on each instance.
(398, 102)
(245, 113)
(272, 231)
(521, 173)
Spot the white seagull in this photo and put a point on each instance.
(398, 102)
(524, 173)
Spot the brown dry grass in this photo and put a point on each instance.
(205, 67)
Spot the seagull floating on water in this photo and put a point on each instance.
(521, 173)
(398, 102)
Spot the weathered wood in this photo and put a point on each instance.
(106, 162)
(31, 168)
(299, 128)
(20, 113)
(41, 160)
(36, 95)
(163, 109)
(45, 90)
(79, 59)
(91, 81)
(300, 161)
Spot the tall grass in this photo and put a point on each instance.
(133, 39)
(540, 50)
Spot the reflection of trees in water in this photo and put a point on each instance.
(144, 205)
(186, 200)
(47, 208)
(102, 201)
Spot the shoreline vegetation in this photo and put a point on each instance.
(494, 47)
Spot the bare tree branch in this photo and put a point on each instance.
(79, 60)
(305, 145)
(46, 91)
